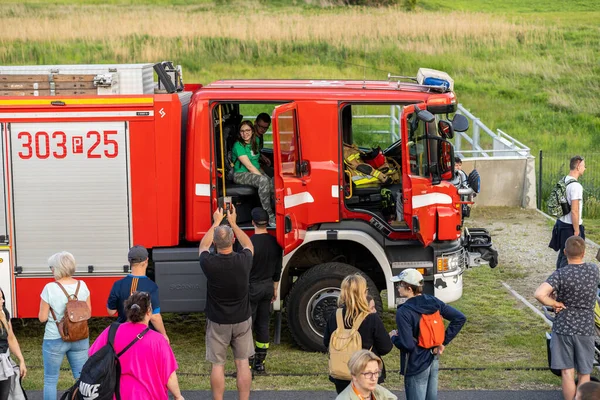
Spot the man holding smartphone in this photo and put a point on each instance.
(228, 313)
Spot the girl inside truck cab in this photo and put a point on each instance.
(246, 168)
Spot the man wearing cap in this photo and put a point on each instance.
(264, 284)
(262, 124)
(228, 312)
(136, 281)
(420, 365)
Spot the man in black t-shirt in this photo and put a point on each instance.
(573, 330)
(228, 313)
(264, 284)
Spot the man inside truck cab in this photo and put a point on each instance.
(262, 124)
(136, 281)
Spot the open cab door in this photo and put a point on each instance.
(291, 195)
(429, 160)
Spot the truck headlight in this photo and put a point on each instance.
(449, 262)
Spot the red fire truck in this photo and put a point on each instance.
(97, 158)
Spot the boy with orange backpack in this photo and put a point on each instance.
(421, 336)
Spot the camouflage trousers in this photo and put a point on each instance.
(263, 183)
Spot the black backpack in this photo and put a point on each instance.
(101, 373)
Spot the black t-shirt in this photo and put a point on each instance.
(4, 334)
(227, 283)
(266, 263)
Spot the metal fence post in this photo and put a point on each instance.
(475, 136)
(539, 196)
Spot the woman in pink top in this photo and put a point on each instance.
(148, 367)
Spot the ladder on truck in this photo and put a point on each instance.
(90, 79)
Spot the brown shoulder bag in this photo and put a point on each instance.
(73, 326)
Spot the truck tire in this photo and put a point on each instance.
(314, 297)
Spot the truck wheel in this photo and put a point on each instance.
(314, 297)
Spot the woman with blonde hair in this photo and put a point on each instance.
(365, 368)
(52, 309)
(354, 306)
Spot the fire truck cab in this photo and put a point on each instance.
(94, 174)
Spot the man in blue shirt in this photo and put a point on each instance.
(136, 281)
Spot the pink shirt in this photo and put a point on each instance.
(146, 366)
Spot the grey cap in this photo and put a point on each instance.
(137, 254)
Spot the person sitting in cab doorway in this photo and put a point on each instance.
(460, 176)
(264, 284)
(246, 167)
(136, 281)
(262, 124)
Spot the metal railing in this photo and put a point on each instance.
(502, 144)
(477, 141)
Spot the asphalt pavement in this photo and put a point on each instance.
(323, 395)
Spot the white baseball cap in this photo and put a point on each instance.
(410, 276)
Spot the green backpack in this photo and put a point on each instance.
(558, 206)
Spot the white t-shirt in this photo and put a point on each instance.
(574, 192)
(55, 297)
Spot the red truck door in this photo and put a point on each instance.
(420, 196)
(291, 195)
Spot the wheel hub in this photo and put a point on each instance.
(320, 306)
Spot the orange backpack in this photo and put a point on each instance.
(431, 330)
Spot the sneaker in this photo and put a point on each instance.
(272, 220)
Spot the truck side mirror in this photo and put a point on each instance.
(460, 123)
(425, 115)
(445, 129)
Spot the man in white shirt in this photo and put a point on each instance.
(572, 223)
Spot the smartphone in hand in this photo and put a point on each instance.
(226, 204)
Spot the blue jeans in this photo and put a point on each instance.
(423, 386)
(54, 351)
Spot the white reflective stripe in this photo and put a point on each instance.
(294, 200)
(335, 191)
(202, 189)
(20, 115)
(428, 199)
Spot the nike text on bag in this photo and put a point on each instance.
(431, 330)
(342, 345)
(558, 206)
(101, 373)
(73, 326)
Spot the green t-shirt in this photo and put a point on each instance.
(244, 150)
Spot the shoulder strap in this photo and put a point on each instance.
(112, 332)
(63, 289)
(77, 289)
(358, 321)
(53, 315)
(339, 319)
(134, 341)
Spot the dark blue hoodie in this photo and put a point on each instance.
(415, 359)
